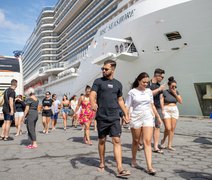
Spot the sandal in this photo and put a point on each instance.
(151, 172)
(8, 138)
(123, 173)
(159, 151)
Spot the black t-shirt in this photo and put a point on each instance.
(169, 97)
(156, 97)
(7, 94)
(19, 106)
(32, 103)
(47, 102)
(108, 91)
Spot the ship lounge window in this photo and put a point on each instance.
(204, 94)
(173, 36)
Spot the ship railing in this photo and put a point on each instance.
(71, 71)
(54, 66)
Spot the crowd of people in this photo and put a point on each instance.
(148, 105)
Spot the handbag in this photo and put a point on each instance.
(25, 121)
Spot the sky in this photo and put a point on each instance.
(17, 22)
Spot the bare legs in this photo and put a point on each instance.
(3, 130)
(95, 125)
(156, 136)
(65, 116)
(54, 122)
(18, 124)
(46, 122)
(136, 136)
(147, 136)
(6, 128)
(101, 147)
(117, 152)
(87, 133)
(170, 125)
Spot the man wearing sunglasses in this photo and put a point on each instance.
(157, 90)
(106, 99)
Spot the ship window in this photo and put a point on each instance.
(204, 94)
(173, 36)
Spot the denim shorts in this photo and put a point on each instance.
(54, 116)
(65, 111)
(8, 117)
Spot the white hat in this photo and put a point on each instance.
(30, 91)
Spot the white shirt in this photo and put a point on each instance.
(74, 104)
(55, 106)
(139, 101)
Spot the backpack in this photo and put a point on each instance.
(1, 99)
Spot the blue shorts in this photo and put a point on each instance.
(54, 116)
(65, 111)
(8, 117)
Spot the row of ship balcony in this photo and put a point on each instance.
(60, 69)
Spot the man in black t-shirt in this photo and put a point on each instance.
(106, 99)
(8, 110)
(157, 90)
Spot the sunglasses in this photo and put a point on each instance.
(161, 76)
(105, 69)
(174, 87)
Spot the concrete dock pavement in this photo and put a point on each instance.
(62, 155)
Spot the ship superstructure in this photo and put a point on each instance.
(73, 39)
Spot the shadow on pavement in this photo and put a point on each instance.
(127, 145)
(25, 142)
(92, 161)
(192, 174)
(89, 161)
(203, 140)
(79, 139)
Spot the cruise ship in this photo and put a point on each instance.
(72, 40)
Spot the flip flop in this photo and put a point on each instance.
(151, 172)
(123, 173)
(29, 146)
(1, 138)
(162, 145)
(101, 169)
(140, 147)
(134, 165)
(159, 151)
(170, 148)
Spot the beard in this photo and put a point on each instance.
(106, 75)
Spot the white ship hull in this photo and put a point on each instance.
(189, 62)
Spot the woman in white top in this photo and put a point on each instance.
(142, 112)
(73, 104)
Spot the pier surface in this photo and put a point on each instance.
(62, 155)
